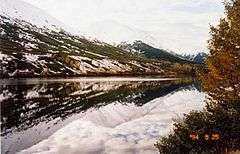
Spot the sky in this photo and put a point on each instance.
(178, 25)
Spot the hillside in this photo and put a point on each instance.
(150, 52)
(44, 48)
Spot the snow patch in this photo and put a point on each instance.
(31, 57)
(32, 94)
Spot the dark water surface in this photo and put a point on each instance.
(34, 109)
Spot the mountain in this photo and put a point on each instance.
(41, 48)
(29, 13)
(198, 58)
(27, 50)
(150, 52)
(114, 32)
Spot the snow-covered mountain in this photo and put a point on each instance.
(118, 33)
(198, 58)
(29, 13)
(147, 51)
(178, 25)
(33, 44)
(99, 30)
(27, 50)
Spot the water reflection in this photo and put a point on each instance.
(33, 105)
(215, 129)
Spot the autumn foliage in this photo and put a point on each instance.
(222, 80)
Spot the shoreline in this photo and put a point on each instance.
(100, 75)
(10, 81)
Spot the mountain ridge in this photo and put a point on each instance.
(198, 58)
(151, 52)
(30, 50)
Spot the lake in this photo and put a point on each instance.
(92, 115)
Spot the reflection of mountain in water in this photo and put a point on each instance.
(24, 106)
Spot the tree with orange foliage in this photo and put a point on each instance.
(222, 81)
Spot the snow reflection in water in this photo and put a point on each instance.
(93, 116)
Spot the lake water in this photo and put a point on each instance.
(92, 115)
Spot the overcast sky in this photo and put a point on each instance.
(178, 25)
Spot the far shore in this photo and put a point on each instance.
(9, 81)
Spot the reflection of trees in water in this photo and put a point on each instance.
(222, 119)
(26, 105)
(221, 81)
